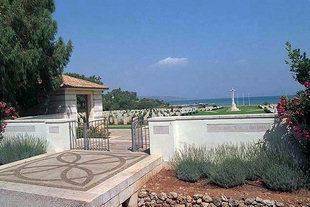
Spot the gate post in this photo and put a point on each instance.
(133, 135)
(86, 141)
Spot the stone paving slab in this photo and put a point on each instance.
(76, 170)
(120, 139)
(75, 178)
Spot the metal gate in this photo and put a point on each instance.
(92, 135)
(140, 135)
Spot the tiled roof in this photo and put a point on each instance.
(71, 82)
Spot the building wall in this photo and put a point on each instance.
(97, 107)
(57, 102)
(167, 134)
(54, 131)
(64, 101)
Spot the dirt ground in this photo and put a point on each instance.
(165, 181)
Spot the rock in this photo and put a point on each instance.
(199, 201)
(147, 199)
(173, 195)
(181, 198)
(197, 196)
(233, 202)
(162, 196)
(207, 198)
(217, 201)
(205, 204)
(249, 201)
(259, 200)
(224, 198)
(153, 196)
(188, 199)
(268, 202)
(143, 194)
(170, 201)
(225, 204)
(159, 201)
(141, 203)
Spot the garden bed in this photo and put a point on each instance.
(166, 181)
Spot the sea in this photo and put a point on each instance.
(227, 101)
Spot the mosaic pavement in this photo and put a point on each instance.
(76, 170)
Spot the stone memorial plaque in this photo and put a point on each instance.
(161, 129)
(20, 129)
(53, 129)
(240, 127)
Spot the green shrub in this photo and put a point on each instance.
(190, 163)
(230, 165)
(282, 177)
(21, 147)
(188, 170)
(250, 168)
(229, 173)
(205, 168)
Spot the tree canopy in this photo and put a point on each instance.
(123, 100)
(299, 64)
(31, 58)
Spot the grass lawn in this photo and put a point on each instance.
(120, 126)
(224, 111)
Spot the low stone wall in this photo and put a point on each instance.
(55, 131)
(209, 131)
(147, 198)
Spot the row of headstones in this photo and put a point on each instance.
(269, 108)
(124, 117)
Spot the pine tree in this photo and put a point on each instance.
(31, 58)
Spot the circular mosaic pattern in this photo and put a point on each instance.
(72, 169)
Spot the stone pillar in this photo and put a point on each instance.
(233, 104)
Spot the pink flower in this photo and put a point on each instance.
(12, 110)
(2, 104)
(4, 126)
(307, 84)
(289, 122)
(299, 113)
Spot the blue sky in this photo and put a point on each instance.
(193, 49)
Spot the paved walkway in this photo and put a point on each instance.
(76, 170)
(76, 178)
(120, 140)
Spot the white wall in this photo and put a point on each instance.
(168, 134)
(55, 131)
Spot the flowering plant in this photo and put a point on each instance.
(296, 112)
(6, 112)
